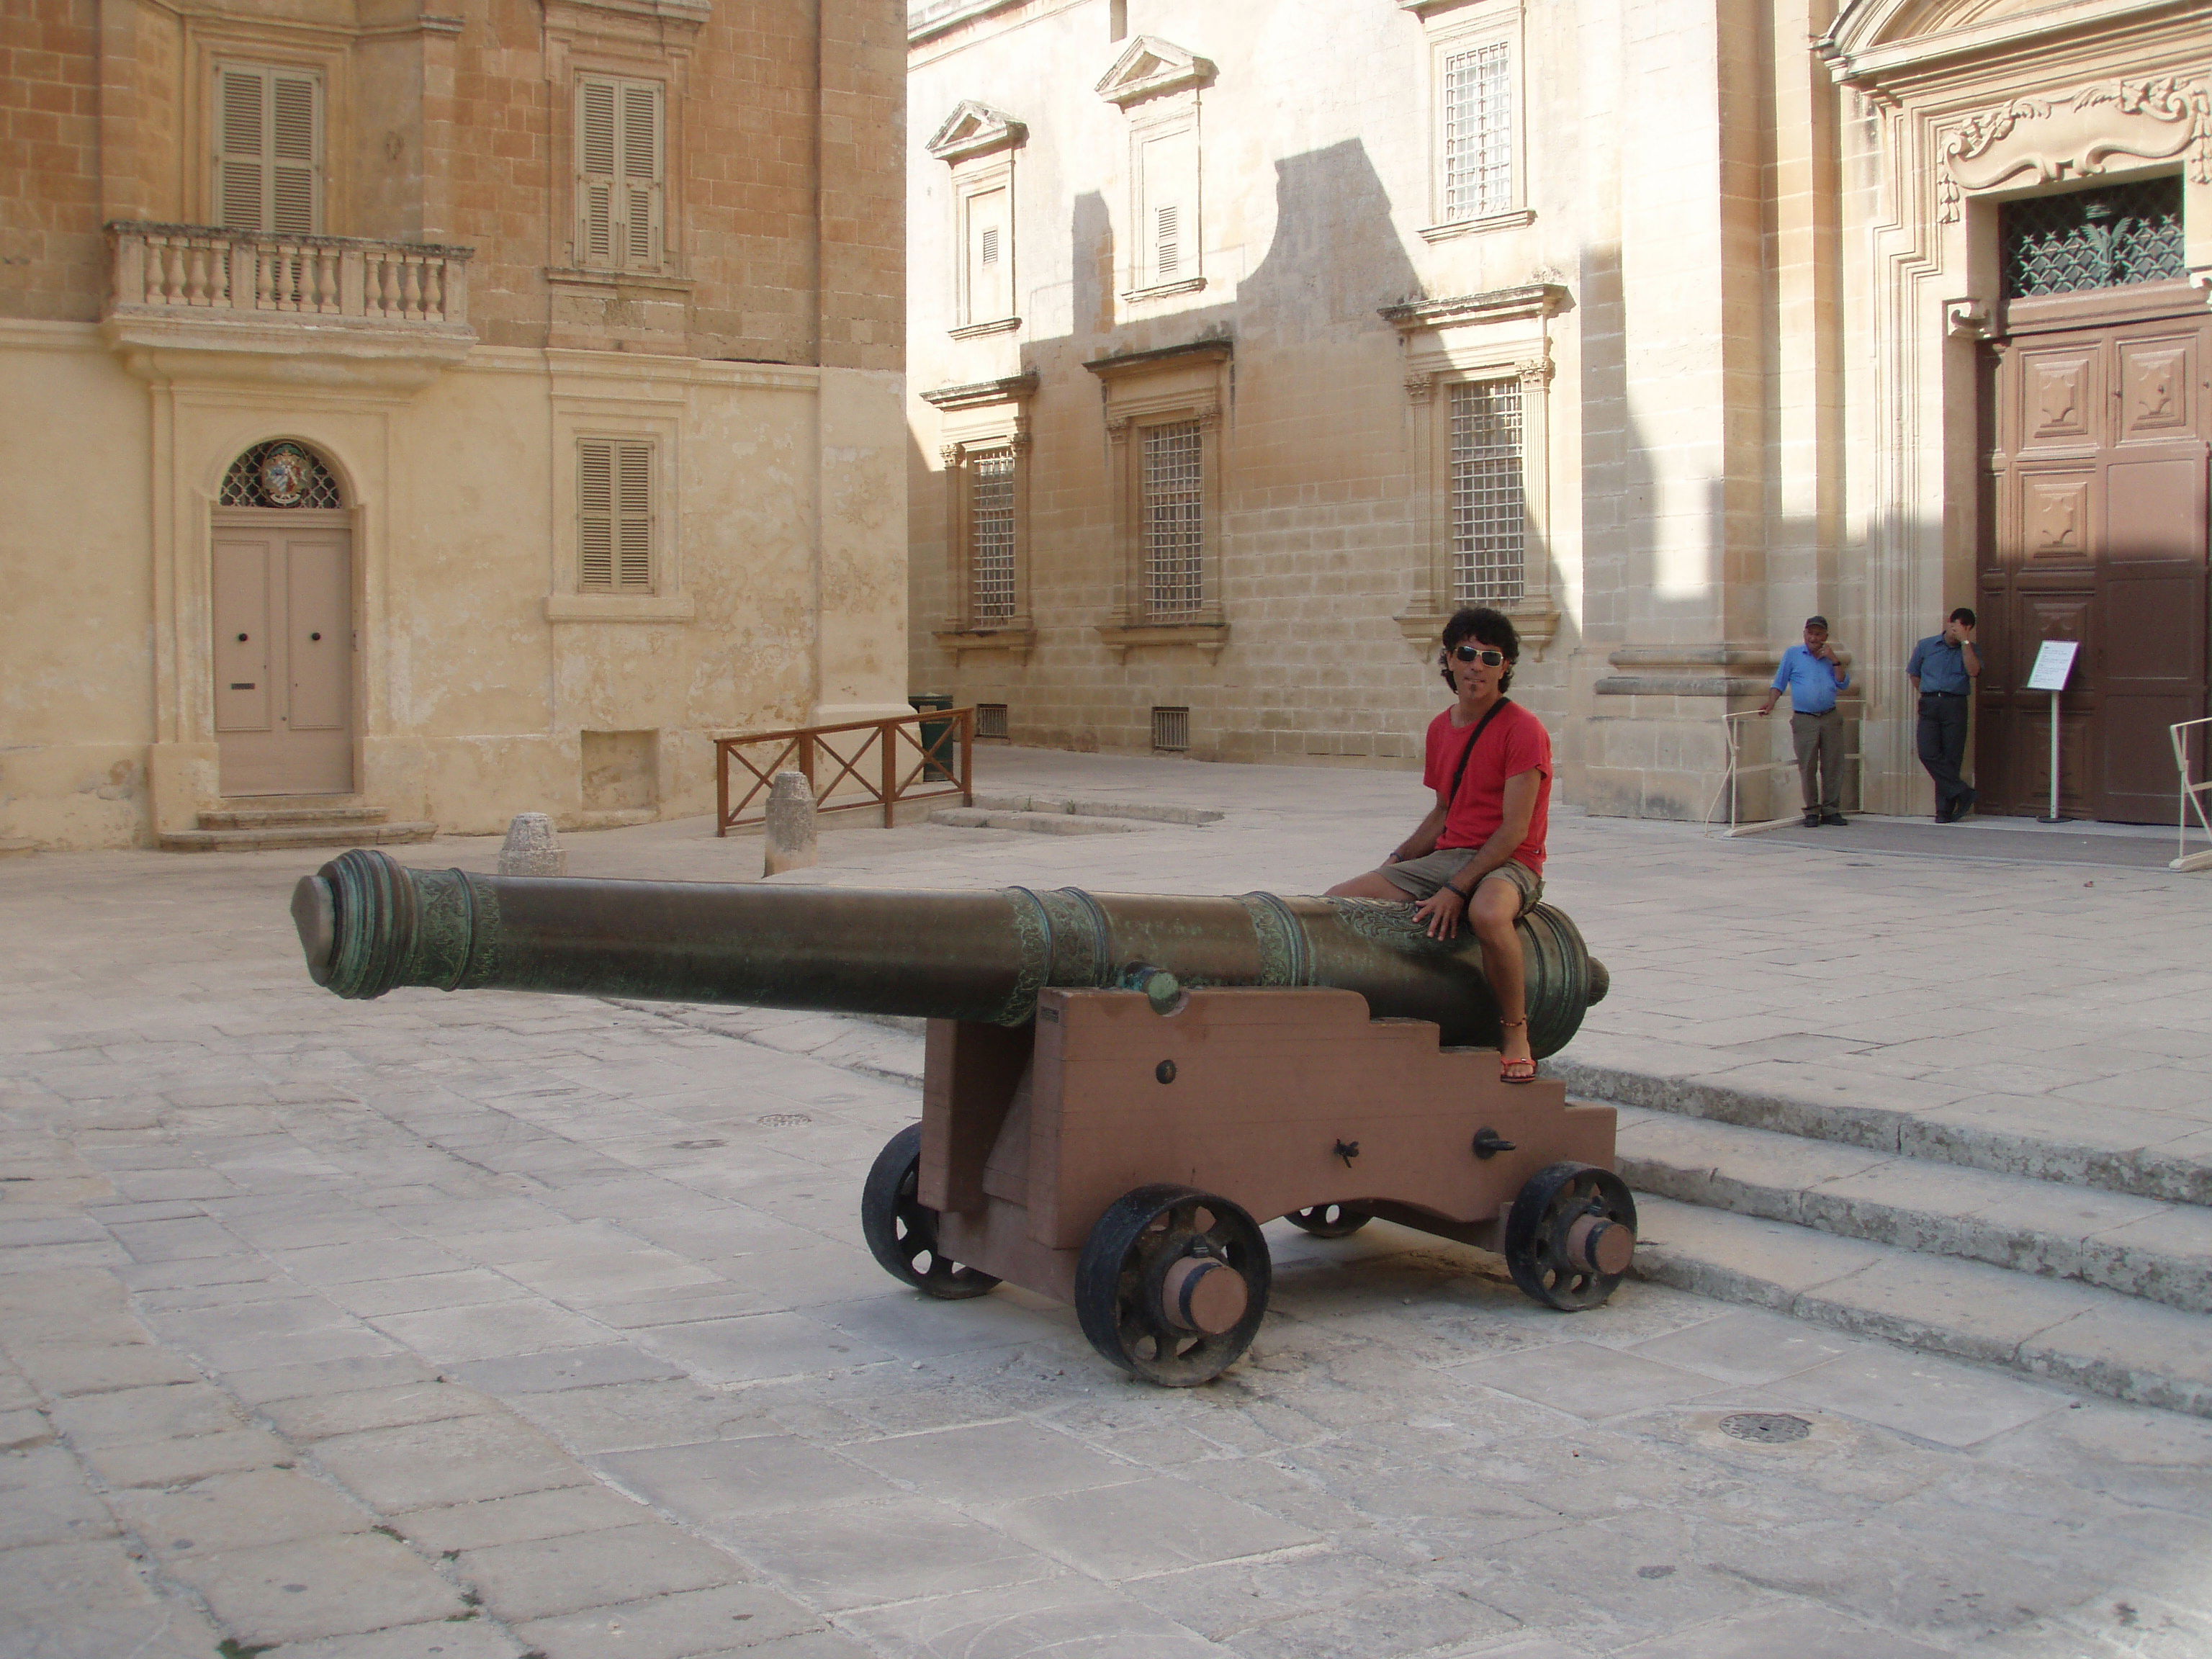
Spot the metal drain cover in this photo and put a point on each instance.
(1766, 1428)
(784, 1121)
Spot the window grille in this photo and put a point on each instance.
(614, 530)
(2093, 238)
(1171, 729)
(1489, 510)
(306, 482)
(1175, 533)
(1478, 100)
(991, 536)
(990, 720)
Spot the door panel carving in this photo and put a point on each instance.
(2108, 548)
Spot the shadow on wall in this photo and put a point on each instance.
(1333, 259)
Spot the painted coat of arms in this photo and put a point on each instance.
(285, 475)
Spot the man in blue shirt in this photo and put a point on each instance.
(1812, 676)
(1943, 668)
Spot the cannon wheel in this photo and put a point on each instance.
(902, 1235)
(1331, 1220)
(1127, 1278)
(1540, 1242)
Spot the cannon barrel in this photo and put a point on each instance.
(368, 923)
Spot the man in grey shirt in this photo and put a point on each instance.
(1943, 670)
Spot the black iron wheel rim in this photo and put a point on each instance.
(1537, 1227)
(1330, 1220)
(1125, 1260)
(901, 1232)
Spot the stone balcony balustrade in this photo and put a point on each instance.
(200, 301)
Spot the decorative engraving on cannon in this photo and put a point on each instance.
(1119, 1088)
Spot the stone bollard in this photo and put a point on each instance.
(790, 824)
(531, 848)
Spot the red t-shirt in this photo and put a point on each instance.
(1515, 742)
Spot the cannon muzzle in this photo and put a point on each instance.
(367, 924)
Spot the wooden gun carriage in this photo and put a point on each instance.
(1119, 1088)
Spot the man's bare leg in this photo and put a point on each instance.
(1374, 885)
(1492, 913)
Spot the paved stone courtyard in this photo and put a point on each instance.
(495, 1325)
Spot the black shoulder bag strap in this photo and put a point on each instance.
(1467, 753)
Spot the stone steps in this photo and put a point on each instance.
(2140, 1154)
(2138, 1246)
(278, 823)
(2097, 1341)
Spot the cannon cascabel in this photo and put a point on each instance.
(368, 923)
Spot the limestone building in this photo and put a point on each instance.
(440, 410)
(1247, 340)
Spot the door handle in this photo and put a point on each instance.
(315, 636)
(242, 638)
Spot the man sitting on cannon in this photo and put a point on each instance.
(1480, 852)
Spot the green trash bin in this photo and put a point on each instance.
(935, 740)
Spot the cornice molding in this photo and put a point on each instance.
(980, 394)
(1148, 66)
(1138, 362)
(1499, 305)
(975, 129)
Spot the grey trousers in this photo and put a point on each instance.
(1819, 740)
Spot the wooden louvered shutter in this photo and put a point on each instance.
(615, 516)
(641, 174)
(295, 155)
(269, 150)
(633, 518)
(596, 147)
(595, 541)
(241, 159)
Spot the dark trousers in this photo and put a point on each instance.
(1943, 746)
(1820, 742)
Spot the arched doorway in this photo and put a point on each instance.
(282, 607)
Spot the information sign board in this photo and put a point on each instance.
(2053, 663)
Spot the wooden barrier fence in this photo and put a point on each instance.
(921, 757)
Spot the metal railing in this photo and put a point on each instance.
(1738, 769)
(2192, 800)
(169, 268)
(934, 748)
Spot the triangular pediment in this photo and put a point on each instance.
(1148, 66)
(975, 129)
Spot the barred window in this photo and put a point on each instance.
(1174, 506)
(991, 538)
(990, 720)
(1489, 509)
(1171, 730)
(2093, 238)
(1478, 132)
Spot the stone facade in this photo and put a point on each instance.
(1624, 315)
(611, 473)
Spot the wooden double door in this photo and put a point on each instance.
(2096, 428)
(282, 604)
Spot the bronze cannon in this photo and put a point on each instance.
(1116, 1084)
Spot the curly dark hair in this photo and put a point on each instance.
(1485, 627)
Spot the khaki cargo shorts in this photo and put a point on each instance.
(1424, 876)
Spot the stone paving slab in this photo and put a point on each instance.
(264, 1224)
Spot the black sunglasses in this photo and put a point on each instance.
(1486, 657)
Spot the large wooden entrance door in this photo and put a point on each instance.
(2094, 419)
(284, 651)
